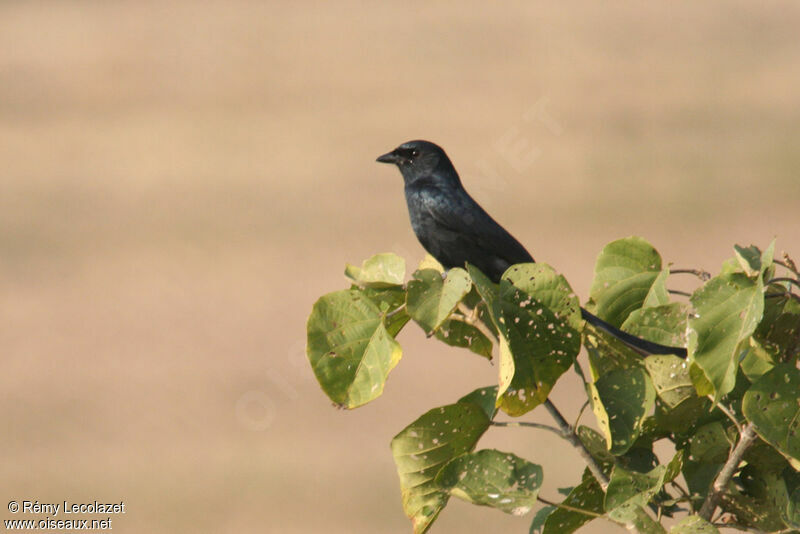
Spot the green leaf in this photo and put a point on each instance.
(658, 295)
(674, 467)
(762, 502)
(431, 300)
(381, 270)
(749, 259)
(660, 324)
(389, 301)
(621, 400)
(493, 478)
(540, 322)
(708, 449)
(457, 333)
(588, 496)
(538, 318)
(548, 287)
(485, 398)
(670, 376)
(429, 262)
(710, 444)
(642, 522)
(792, 515)
(778, 334)
(426, 445)
(771, 404)
(607, 353)
(538, 520)
(682, 420)
(628, 490)
(595, 443)
(625, 272)
(349, 348)
(757, 361)
(693, 524)
(727, 310)
(752, 261)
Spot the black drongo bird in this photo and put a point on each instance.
(456, 230)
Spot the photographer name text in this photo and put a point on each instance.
(66, 507)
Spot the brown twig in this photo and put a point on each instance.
(699, 273)
(747, 437)
(568, 433)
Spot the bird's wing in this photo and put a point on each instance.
(462, 215)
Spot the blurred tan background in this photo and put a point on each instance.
(179, 182)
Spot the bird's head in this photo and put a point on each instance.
(420, 159)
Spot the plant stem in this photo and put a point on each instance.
(568, 433)
(788, 264)
(580, 413)
(747, 437)
(729, 413)
(699, 273)
(396, 310)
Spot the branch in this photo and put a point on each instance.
(580, 413)
(699, 273)
(568, 433)
(787, 263)
(396, 310)
(471, 318)
(728, 412)
(748, 436)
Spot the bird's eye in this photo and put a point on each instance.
(414, 153)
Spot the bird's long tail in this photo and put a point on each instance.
(638, 344)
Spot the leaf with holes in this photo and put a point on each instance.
(584, 503)
(624, 275)
(670, 376)
(426, 445)
(458, 333)
(664, 324)
(381, 270)
(752, 261)
(727, 310)
(540, 325)
(349, 348)
(431, 300)
(771, 405)
(621, 400)
(485, 398)
(390, 300)
(693, 524)
(493, 478)
(537, 343)
(629, 491)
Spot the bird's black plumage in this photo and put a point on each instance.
(456, 230)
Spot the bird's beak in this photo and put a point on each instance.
(389, 157)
